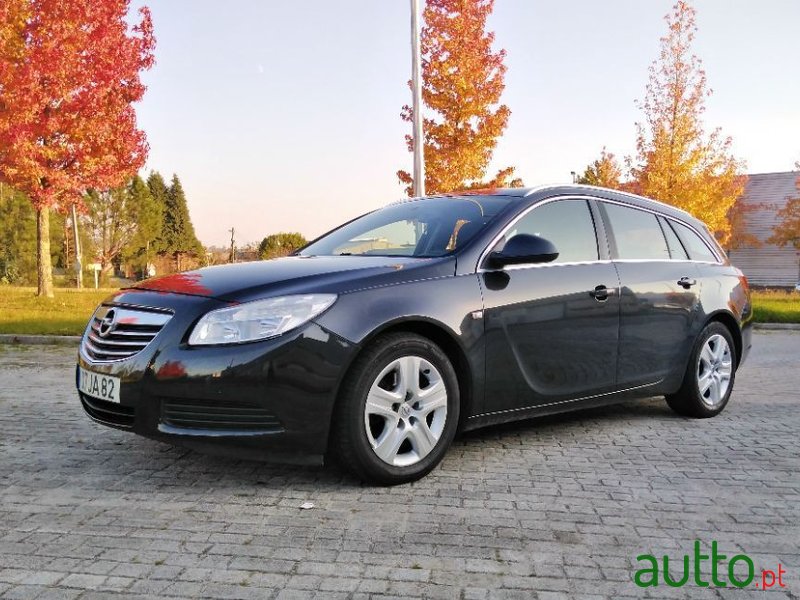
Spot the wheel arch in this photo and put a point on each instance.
(442, 337)
(730, 322)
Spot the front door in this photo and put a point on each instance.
(551, 329)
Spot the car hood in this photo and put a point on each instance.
(241, 282)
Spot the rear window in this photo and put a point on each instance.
(637, 233)
(695, 246)
(676, 249)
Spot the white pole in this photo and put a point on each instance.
(416, 88)
(78, 257)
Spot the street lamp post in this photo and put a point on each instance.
(419, 159)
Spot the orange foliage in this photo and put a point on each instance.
(787, 231)
(676, 161)
(739, 216)
(69, 73)
(604, 172)
(462, 79)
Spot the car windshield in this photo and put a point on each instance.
(424, 228)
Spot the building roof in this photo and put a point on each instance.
(771, 188)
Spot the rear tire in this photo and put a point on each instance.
(710, 374)
(398, 410)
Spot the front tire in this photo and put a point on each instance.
(398, 411)
(708, 382)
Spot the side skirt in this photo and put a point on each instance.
(561, 406)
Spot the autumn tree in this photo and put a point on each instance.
(677, 162)
(178, 237)
(787, 231)
(462, 81)
(603, 172)
(280, 244)
(739, 216)
(69, 73)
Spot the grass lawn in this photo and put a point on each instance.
(773, 306)
(21, 312)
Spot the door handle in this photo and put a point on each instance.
(686, 282)
(600, 293)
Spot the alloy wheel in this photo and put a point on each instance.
(714, 368)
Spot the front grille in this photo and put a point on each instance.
(217, 415)
(108, 412)
(117, 333)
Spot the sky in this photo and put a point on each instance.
(285, 116)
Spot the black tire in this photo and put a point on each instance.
(351, 445)
(690, 400)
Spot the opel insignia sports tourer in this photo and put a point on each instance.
(376, 343)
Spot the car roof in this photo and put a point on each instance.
(543, 192)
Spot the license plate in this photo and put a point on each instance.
(97, 385)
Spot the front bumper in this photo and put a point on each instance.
(269, 400)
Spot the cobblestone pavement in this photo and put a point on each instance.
(554, 508)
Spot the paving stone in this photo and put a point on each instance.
(559, 507)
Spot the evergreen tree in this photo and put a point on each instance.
(150, 220)
(178, 234)
(18, 238)
(158, 192)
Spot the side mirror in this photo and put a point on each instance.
(524, 249)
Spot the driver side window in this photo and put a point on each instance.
(566, 223)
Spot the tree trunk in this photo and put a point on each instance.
(44, 265)
(106, 272)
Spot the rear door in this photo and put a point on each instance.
(551, 329)
(659, 294)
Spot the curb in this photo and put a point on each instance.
(62, 340)
(777, 326)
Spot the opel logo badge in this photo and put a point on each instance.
(107, 324)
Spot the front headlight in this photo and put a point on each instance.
(258, 320)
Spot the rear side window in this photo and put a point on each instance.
(695, 246)
(637, 233)
(566, 223)
(676, 249)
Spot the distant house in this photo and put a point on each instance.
(768, 265)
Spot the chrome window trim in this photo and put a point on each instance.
(485, 253)
(487, 249)
(700, 235)
(669, 218)
(546, 265)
